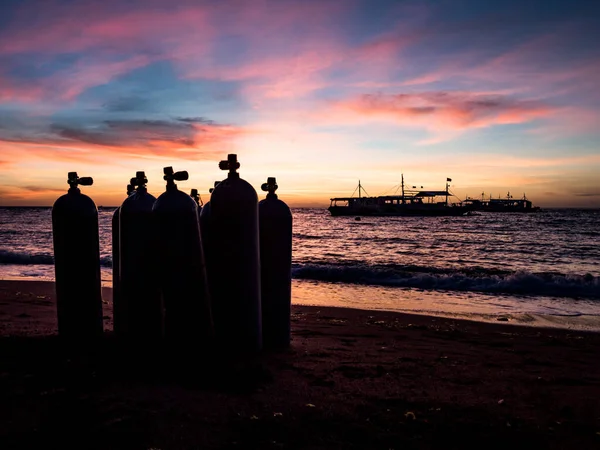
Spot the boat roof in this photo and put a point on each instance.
(507, 200)
(395, 197)
(430, 193)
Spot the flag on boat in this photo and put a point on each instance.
(448, 179)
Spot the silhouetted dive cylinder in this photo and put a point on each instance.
(275, 225)
(116, 275)
(77, 263)
(142, 305)
(236, 284)
(196, 196)
(208, 245)
(181, 271)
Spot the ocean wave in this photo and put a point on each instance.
(7, 257)
(10, 232)
(473, 278)
(306, 236)
(469, 279)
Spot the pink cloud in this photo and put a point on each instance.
(188, 35)
(534, 66)
(424, 79)
(568, 122)
(69, 83)
(105, 37)
(290, 47)
(445, 113)
(539, 66)
(82, 26)
(12, 90)
(85, 74)
(303, 68)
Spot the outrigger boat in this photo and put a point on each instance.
(412, 202)
(508, 204)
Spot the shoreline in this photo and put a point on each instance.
(431, 303)
(395, 300)
(351, 379)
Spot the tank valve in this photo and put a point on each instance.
(270, 186)
(140, 179)
(130, 189)
(213, 188)
(196, 196)
(73, 180)
(171, 176)
(230, 164)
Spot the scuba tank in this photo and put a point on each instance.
(275, 225)
(196, 196)
(236, 262)
(140, 294)
(77, 263)
(208, 245)
(181, 271)
(116, 275)
(205, 211)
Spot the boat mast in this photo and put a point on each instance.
(359, 187)
(447, 187)
(403, 201)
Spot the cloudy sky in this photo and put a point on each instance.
(497, 95)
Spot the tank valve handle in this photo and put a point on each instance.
(73, 180)
(130, 189)
(270, 186)
(230, 164)
(171, 176)
(139, 180)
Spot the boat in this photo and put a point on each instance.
(508, 204)
(411, 202)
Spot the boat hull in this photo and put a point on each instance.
(399, 211)
(509, 210)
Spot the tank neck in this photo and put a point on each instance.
(74, 190)
(143, 189)
(233, 175)
(271, 196)
(171, 186)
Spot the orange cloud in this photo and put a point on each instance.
(187, 138)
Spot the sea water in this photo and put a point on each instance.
(489, 266)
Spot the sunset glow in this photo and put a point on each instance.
(499, 96)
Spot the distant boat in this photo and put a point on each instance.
(508, 204)
(411, 203)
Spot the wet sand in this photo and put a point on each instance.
(351, 379)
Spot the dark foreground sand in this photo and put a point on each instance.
(352, 379)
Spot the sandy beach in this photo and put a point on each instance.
(351, 379)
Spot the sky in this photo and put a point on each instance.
(499, 96)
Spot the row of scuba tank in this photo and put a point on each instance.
(215, 276)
